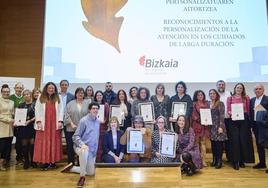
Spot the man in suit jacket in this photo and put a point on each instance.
(65, 96)
(260, 99)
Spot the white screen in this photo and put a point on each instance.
(158, 41)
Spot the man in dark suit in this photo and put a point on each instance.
(260, 99)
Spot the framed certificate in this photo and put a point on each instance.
(147, 111)
(237, 111)
(100, 115)
(135, 142)
(205, 115)
(178, 108)
(116, 111)
(167, 146)
(20, 116)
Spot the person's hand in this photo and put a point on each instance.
(220, 130)
(117, 160)
(73, 126)
(129, 128)
(84, 147)
(12, 122)
(143, 130)
(157, 154)
(39, 125)
(172, 120)
(60, 124)
(27, 122)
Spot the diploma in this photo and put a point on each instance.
(100, 115)
(147, 111)
(167, 145)
(205, 115)
(116, 111)
(178, 108)
(237, 111)
(20, 116)
(135, 142)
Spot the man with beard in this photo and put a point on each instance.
(227, 120)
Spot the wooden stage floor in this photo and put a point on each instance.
(208, 177)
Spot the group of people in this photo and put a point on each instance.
(39, 141)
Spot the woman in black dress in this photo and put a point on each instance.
(27, 133)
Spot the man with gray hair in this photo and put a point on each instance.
(258, 102)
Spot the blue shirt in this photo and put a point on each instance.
(87, 133)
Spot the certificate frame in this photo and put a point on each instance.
(148, 116)
(206, 116)
(163, 146)
(20, 116)
(129, 148)
(116, 111)
(101, 112)
(176, 109)
(237, 111)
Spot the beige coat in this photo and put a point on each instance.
(6, 113)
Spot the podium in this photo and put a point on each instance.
(137, 175)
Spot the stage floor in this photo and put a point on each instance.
(208, 177)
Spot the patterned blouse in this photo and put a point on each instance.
(155, 148)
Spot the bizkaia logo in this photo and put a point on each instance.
(158, 63)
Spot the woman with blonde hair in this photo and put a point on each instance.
(113, 151)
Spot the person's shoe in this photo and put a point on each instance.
(259, 165)
(214, 162)
(81, 182)
(52, 166)
(266, 171)
(204, 164)
(67, 168)
(26, 165)
(2, 168)
(219, 164)
(242, 165)
(236, 166)
(33, 165)
(45, 167)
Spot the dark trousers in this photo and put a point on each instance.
(5, 147)
(227, 143)
(241, 142)
(18, 146)
(108, 158)
(217, 149)
(260, 148)
(70, 149)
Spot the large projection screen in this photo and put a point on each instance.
(150, 41)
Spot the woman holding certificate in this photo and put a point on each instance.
(26, 132)
(202, 132)
(75, 110)
(238, 110)
(103, 116)
(6, 125)
(180, 104)
(161, 124)
(188, 151)
(144, 107)
(125, 108)
(138, 140)
(218, 131)
(161, 102)
(48, 125)
(113, 151)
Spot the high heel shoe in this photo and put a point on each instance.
(219, 164)
(236, 166)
